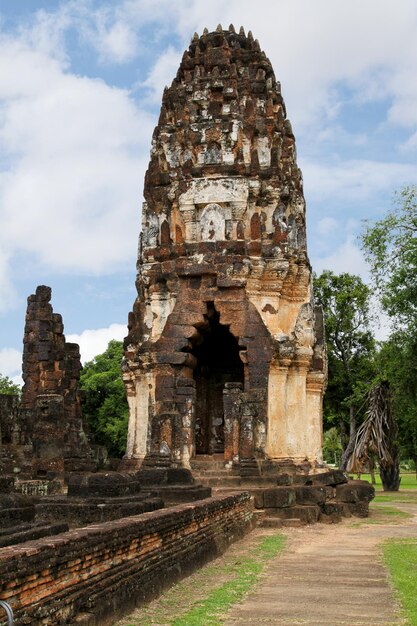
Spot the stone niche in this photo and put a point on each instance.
(225, 354)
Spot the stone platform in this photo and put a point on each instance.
(89, 498)
(291, 499)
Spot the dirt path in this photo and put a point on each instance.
(328, 575)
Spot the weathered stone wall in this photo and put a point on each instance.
(224, 280)
(103, 570)
(9, 423)
(15, 445)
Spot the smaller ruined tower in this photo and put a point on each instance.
(225, 352)
(51, 404)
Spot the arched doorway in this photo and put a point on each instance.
(218, 362)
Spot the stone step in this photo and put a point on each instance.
(308, 514)
(264, 519)
(29, 534)
(220, 481)
(214, 472)
(230, 480)
(292, 522)
(205, 464)
(269, 518)
(259, 515)
(271, 522)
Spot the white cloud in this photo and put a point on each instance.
(346, 258)
(162, 74)
(112, 36)
(46, 33)
(10, 362)
(8, 296)
(327, 225)
(353, 179)
(118, 43)
(74, 153)
(94, 342)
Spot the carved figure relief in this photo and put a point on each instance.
(212, 223)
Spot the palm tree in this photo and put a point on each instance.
(377, 436)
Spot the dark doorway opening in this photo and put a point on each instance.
(218, 363)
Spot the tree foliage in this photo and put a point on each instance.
(390, 247)
(397, 363)
(7, 386)
(351, 348)
(104, 399)
(332, 447)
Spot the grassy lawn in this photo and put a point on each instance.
(408, 481)
(400, 556)
(382, 515)
(394, 496)
(389, 511)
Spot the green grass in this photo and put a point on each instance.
(400, 556)
(408, 481)
(380, 513)
(390, 511)
(395, 496)
(209, 612)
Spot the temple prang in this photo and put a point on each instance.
(225, 352)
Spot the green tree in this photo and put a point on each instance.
(345, 299)
(8, 387)
(390, 247)
(332, 447)
(397, 363)
(104, 399)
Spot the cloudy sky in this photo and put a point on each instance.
(80, 89)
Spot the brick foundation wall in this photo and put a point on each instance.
(93, 575)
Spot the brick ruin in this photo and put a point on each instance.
(51, 402)
(43, 434)
(225, 352)
(91, 576)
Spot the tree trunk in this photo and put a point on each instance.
(372, 469)
(343, 437)
(390, 477)
(352, 437)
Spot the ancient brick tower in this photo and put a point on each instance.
(51, 403)
(225, 348)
